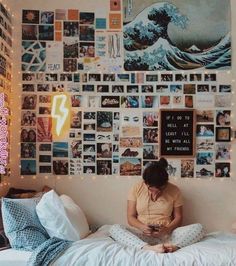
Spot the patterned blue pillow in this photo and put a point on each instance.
(21, 223)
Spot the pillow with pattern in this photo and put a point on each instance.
(21, 223)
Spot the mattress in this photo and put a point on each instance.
(12, 257)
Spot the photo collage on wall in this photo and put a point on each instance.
(114, 114)
(5, 86)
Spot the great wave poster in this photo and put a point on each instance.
(176, 35)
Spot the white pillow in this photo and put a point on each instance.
(53, 216)
(76, 216)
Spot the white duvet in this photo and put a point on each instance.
(217, 249)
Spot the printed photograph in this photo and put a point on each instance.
(89, 148)
(117, 88)
(205, 130)
(132, 89)
(71, 48)
(28, 118)
(90, 115)
(130, 166)
(104, 121)
(71, 29)
(110, 101)
(86, 49)
(205, 158)
(223, 151)
(195, 77)
(205, 116)
(149, 101)
(76, 149)
(129, 152)
(223, 117)
(204, 172)
(45, 169)
(28, 87)
(29, 101)
(147, 88)
(131, 142)
(60, 149)
(45, 158)
(47, 17)
(30, 16)
(86, 33)
(187, 168)
(223, 100)
(203, 88)
(151, 78)
(174, 168)
(28, 167)
(28, 135)
(60, 167)
(45, 147)
(86, 18)
(150, 152)
(181, 77)
(176, 88)
(104, 167)
(28, 150)
(104, 150)
(46, 32)
(150, 135)
(225, 88)
(150, 119)
(102, 88)
(189, 89)
(205, 144)
(75, 119)
(44, 129)
(89, 169)
(223, 134)
(89, 137)
(222, 169)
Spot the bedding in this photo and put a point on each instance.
(98, 249)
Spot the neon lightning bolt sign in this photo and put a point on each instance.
(60, 112)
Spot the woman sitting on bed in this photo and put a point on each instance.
(155, 213)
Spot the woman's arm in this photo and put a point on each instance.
(132, 218)
(177, 218)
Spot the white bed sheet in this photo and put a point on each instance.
(217, 249)
(98, 249)
(12, 257)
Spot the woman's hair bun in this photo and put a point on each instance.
(163, 163)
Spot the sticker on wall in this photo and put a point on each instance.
(165, 36)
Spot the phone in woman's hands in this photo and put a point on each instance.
(155, 227)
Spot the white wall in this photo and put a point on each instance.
(104, 199)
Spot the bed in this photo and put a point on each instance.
(98, 249)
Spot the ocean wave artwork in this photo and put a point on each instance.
(155, 39)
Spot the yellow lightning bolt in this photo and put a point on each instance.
(59, 111)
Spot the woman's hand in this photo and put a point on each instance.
(147, 231)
